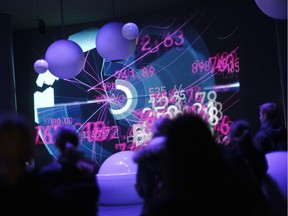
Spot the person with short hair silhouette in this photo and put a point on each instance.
(272, 135)
(71, 178)
(21, 191)
(149, 160)
(197, 180)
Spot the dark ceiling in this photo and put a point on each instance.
(26, 14)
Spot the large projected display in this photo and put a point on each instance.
(177, 66)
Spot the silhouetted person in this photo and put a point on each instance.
(71, 178)
(149, 159)
(272, 135)
(197, 179)
(20, 189)
(243, 155)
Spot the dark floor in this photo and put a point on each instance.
(121, 210)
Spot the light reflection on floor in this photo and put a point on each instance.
(121, 210)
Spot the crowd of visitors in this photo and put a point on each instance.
(182, 170)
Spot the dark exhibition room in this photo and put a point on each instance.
(143, 108)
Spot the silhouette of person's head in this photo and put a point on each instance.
(66, 137)
(190, 148)
(268, 112)
(240, 130)
(189, 130)
(16, 144)
(159, 127)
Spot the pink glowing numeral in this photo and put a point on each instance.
(151, 70)
(225, 126)
(179, 97)
(132, 146)
(190, 91)
(213, 60)
(230, 62)
(162, 100)
(47, 136)
(195, 66)
(200, 97)
(168, 41)
(98, 136)
(86, 131)
(124, 74)
(222, 62)
(207, 66)
(114, 132)
(201, 66)
(180, 36)
(38, 140)
(101, 131)
(121, 146)
(110, 85)
(117, 74)
(233, 62)
(131, 72)
(144, 71)
(145, 42)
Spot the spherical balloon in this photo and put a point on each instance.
(65, 59)
(41, 66)
(117, 178)
(120, 162)
(130, 31)
(276, 9)
(111, 44)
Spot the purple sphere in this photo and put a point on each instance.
(130, 31)
(40, 66)
(65, 59)
(112, 45)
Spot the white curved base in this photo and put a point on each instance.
(118, 189)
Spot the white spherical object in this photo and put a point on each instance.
(117, 178)
(41, 66)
